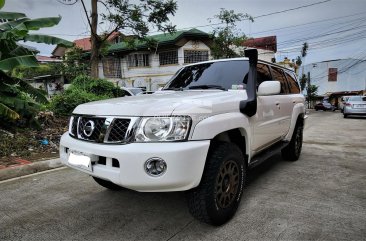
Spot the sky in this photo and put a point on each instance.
(334, 29)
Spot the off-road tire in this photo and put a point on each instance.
(208, 202)
(108, 184)
(293, 150)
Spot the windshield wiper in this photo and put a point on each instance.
(206, 87)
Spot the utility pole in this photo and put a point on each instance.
(308, 89)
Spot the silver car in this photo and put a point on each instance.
(355, 105)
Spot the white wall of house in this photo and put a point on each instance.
(266, 55)
(351, 75)
(155, 75)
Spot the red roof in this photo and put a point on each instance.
(41, 58)
(85, 43)
(267, 43)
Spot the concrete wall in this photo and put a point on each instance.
(351, 75)
(153, 76)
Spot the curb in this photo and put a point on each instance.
(22, 170)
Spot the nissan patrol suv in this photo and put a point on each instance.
(200, 134)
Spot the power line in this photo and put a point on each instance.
(291, 9)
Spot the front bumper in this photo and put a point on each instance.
(185, 163)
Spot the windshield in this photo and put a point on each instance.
(217, 75)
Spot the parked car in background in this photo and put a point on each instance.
(130, 91)
(355, 105)
(324, 106)
(343, 101)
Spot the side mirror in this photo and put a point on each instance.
(272, 87)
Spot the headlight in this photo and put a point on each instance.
(163, 129)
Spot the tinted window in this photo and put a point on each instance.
(277, 74)
(263, 73)
(222, 73)
(292, 83)
(125, 93)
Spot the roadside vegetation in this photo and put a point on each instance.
(82, 90)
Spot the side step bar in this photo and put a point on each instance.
(267, 153)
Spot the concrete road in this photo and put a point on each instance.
(320, 197)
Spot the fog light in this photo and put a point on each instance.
(155, 166)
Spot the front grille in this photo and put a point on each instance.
(100, 129)
(94, 135)
(118, 130)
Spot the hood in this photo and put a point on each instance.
(188, 102)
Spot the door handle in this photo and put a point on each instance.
(277, 103)
(294, 101)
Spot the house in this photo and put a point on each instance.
(337, 78)
(266, 46)
(152, 66)
(85, 44)
(45, 78)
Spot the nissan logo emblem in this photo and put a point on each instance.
(89, 128)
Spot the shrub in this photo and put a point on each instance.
(82, 90)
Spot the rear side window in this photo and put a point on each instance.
(357, 98)
(280, 76)
(292, 83)
(263, 73)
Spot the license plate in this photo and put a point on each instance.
(359, 106)
(80, 160)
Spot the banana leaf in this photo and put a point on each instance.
(13, 102)
(10, 63)
(37, 23)
(37, 95)
(40, 38)
(11, 15)
(12, 24)
(8, 113)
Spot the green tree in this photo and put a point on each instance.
(228, 36)
(74, 64)
(303, 81)
(312, 91)
(301, 59)
(17, 97)
(131, 17)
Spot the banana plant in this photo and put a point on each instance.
(17, 97)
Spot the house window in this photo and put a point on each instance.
(138, 60)
(332, 74)
(111, 67)
(194, 56)
(169, 57)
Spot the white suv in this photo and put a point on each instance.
(212, 122)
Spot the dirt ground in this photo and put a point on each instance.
(29, 145)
